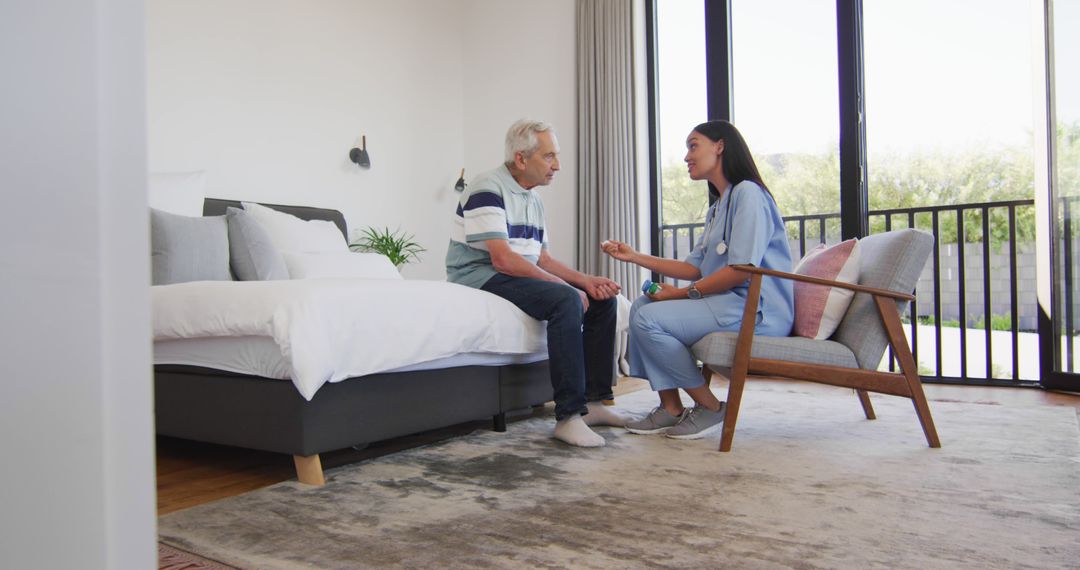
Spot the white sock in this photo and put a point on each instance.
(601, 415)
(573, 430)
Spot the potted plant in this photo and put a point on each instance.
(396, 245)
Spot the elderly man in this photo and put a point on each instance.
(499, 243)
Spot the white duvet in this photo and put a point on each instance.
(332, 329)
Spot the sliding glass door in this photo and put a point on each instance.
(957, 117)
(950, 151)
(785, 93)
(1061, 155)
(680, 79)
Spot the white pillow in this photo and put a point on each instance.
(291, 234)
(339, 265)
(177, 192)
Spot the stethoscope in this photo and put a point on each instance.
(721, 248)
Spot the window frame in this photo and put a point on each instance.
(854, 196)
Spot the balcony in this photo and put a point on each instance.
(975, 314)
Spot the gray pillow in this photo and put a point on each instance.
(185, 249)
(254, 256)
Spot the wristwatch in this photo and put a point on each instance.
(693, 292)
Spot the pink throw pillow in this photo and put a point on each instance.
(819, 308)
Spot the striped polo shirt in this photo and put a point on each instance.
(494, 206)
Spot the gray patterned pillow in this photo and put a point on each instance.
(253, 255)
(184, 248)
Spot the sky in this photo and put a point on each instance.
(940, 74)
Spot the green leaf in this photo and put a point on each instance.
(396, 245)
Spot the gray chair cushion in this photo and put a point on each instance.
(185, 249)
(253, 255)
(718, 350)
(891, 260)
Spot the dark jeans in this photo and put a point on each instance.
(581, 358)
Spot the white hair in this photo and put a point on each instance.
(521, 137)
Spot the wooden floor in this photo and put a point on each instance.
(190, 473)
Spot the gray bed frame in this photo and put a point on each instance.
(248, 411)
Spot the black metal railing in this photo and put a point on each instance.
(986, 229)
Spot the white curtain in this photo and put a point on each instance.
(607, 180)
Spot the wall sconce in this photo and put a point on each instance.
(360, 155)
(460, 186)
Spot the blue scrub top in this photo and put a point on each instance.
(748, 222)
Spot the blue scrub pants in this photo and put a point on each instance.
(581, 346)
(661, 333)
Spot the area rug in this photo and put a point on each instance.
(809, 483)
(171, 558)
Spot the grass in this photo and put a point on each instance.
(997, 322)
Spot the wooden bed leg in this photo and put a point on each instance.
(499, 421)
(309, 470)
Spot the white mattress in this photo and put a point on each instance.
(328, 330)
(261, 356)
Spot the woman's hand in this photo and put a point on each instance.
(618, 250)
(669, 292)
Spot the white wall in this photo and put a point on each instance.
(77, 478)
(265, 96)
(519, 62)
(269, 96)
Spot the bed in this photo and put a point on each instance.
(255, 388)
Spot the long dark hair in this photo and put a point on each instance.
(736, 163)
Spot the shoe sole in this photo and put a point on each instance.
(698, 435)
(656, 431)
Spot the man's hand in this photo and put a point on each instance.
(584, 300)
(618, 250)
(601, 287)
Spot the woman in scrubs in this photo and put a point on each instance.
(743, 226)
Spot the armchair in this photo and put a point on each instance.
(890, 267)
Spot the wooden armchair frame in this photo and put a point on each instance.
(905, 383)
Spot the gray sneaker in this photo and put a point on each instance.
(658, 421)
(698, 423)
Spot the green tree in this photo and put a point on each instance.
(938, 177)
(1068, 163)
(805, 184)
(684, 201)
(809, 184)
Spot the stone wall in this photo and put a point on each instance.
(1000, 278)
